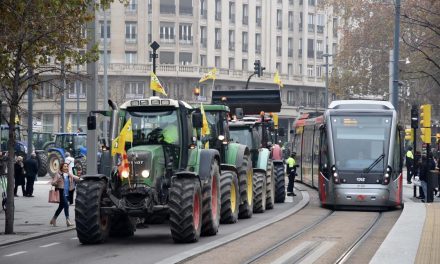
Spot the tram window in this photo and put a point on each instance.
(323, 155)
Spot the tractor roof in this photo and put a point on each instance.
(74, 134)
(153, 101)
(241, 123)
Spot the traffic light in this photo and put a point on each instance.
(425, 135)
(258, 69)
(414, 117)
(409, 134)
(425, 115)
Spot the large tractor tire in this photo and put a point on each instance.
(270, 186)
(80, 163)
(122, 226)
(211, 202)
(245, 175)
(54, 161)
(91, 226)
(259, 192)
(280, 186)
(42, 163)
(185, 210)
(230, 197)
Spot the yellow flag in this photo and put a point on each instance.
(210, 75)
(69, 126)
(127, 132)
(277, 80)
(17, 119)
(117, 146)
(205, 127)
(155, 84)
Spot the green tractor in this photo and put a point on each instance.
(163, 171)
(237, 179)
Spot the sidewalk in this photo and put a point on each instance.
(32, 215)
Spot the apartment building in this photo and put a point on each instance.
(288, 36)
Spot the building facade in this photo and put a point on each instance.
(288, 36)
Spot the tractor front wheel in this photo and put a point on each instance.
(259, 192)
(54, 161)
(246, 186)
(211, 202)
(42, 163)
(280, 186)
(270, 186)
(230, 197)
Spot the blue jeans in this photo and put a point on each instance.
(64, 204)
(425, 188)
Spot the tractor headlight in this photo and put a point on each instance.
(125, 174)
(221, 137)
(145, 173)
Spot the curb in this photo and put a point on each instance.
(36, 236)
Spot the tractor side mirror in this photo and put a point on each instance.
(281, 132)
(197, 121)
(91, 122)
(239, 113)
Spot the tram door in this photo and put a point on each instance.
(397, 164)
(324, 166)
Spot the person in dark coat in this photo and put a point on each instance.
(31, 170)
(19, 176)
(427, 164)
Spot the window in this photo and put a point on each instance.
(290, 20)
(218, 38)
(300, 69)
(48, 122)
(320, 23)
(134, 90)
(232, 12)
(48, 90)
(77, 89)
(310, 70)
(279, 48)
(130, 32)
(102, 31)
(217, 61)
(319, 51)
(218, 10)
(258, 15)
(185, 58)
(300, 26)
(166, 57)
(291, 98)
(310, 48)
(311, 2)
(203, 38)
(311, 26)
(167, 33)
(300, 47)
(245, 14)
(258, 43)
(290, 69)
(231, 40)
(279, 19)
(130, 57)
(185, 7)
(185, 33)
(278, 67)
(290, 47)
(203, 60)
(318, 71)
(167, 7)
(150, 32)
(244, 64)
(132, 6)
(245, 41)
(101, 56)
(231, 64)
(203, 11)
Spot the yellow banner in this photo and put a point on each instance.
(155, 84)
(277, 80)
(210, 75)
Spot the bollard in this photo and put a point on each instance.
(432, 182)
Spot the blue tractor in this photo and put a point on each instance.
(75, 144)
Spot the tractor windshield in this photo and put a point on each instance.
(242, 135)
(155, 127)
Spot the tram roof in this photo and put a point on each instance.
(361, 104)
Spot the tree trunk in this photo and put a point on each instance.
(10, 208)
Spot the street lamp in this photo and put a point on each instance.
(326, 55)
(394, 95)
(154, 56)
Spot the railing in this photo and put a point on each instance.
(186, 41)
(320, 29)
(218, 44)
(183, 10)
(75, 96)
(167, 40)
(167, 9)
(311, 27)
(131, 40)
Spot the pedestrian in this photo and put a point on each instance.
(291, 172)
(63, 181)
(427, 164)
(19, 176)
(31, 171)
(70, 161)
(409, 165)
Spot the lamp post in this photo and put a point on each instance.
(326, 55)
(394, 95)
(154, 56)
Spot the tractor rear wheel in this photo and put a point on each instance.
(259, 192)
(54, 161)
(245, 175)
(270, 186)
(230, 197)
(42, 163)
(211, 202)
(185, 210)
(280, 186)
(122, 226)
(91, 226)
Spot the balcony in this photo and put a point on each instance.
(167, 9)
(75, 96)
(218, 44)
(311, 27)
(203, 42)
(203, 13)
(290, 52)
(279, 51)
(218, 16)
(186, 11)
(167, 40)
(245, 47)
(300, 53)
(258, 21)
(186, 41)
(245, 20)
(231, 45)
(232, 18)
(320, 29)
(258, 49)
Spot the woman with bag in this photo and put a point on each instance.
(63, 181)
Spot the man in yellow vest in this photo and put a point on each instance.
(409, 165)
(291, 172)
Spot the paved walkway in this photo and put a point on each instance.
(32, 215)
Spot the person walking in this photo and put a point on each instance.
(31, 171)
(409, 165)
(291, 173)
(19, 176)
(63, 181)
(426, 165)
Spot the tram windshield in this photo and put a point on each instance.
(361, 142)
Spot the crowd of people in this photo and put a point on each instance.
(25, 175)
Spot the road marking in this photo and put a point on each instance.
(49, 245)
(16, 253)
(306, 252)
(318, 252)
(300, 250)
(74, 238)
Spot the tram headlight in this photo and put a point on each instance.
(335, 175)
(386, 176)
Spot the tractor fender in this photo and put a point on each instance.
(206, 157)
(277, 153)
(259, 170)
(185, 174)
(231, 153)
(263, 159)
(59, 150)
(228, 167)
(241, 151)
(97, 177)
